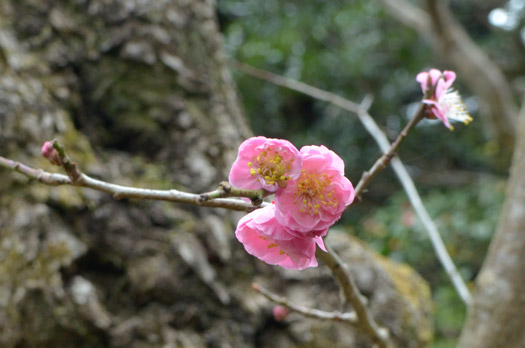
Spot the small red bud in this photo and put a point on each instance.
(280, 313)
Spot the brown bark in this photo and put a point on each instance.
(495, 318)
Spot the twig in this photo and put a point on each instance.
(350, 318)
(71, 168)
(387, 156)
(298, 86)
(414, 198)
(120, 191)
(365, 321)
(397, 165)
(225, 189)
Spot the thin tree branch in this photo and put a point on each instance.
(416, 202)
(120, 191)
(71, 168)
(298, 86)
(225, 190)
(365, 321)
(406, 181)
(389, 153)
(350, 318)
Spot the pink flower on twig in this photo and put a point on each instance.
(444, 103)
(265, 238)
(317, 198)
(311, 194)
(265, 163)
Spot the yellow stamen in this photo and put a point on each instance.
(315, 192)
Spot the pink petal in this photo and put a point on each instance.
(450, 77)
(272, 157)
(422, 78)
(266, 239)
(323, 170)
(435, 75)
(319, 241)
(240, 175)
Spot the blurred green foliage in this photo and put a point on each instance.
(355, 48)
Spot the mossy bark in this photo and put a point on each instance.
(140, 94)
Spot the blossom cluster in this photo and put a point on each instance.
(311, 193)
(443, 102)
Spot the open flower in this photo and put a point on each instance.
(317, 198)
(444, 103)
(265, 238)
(265, 163)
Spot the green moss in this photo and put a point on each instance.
(416, 292)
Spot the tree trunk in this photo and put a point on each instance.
(140, 94)
(495, 318)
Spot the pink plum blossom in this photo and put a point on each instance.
(265, 163)
(49, 152)
(445, 103)
(265, 238)
(317, 198)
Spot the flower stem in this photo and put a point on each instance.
(225, 189)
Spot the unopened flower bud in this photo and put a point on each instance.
(49, 152)
(280, 313)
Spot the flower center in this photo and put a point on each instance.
(455, 108)
(314, 192)
(269, 164)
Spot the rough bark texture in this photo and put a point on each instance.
(495, 318)
(140, 94)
